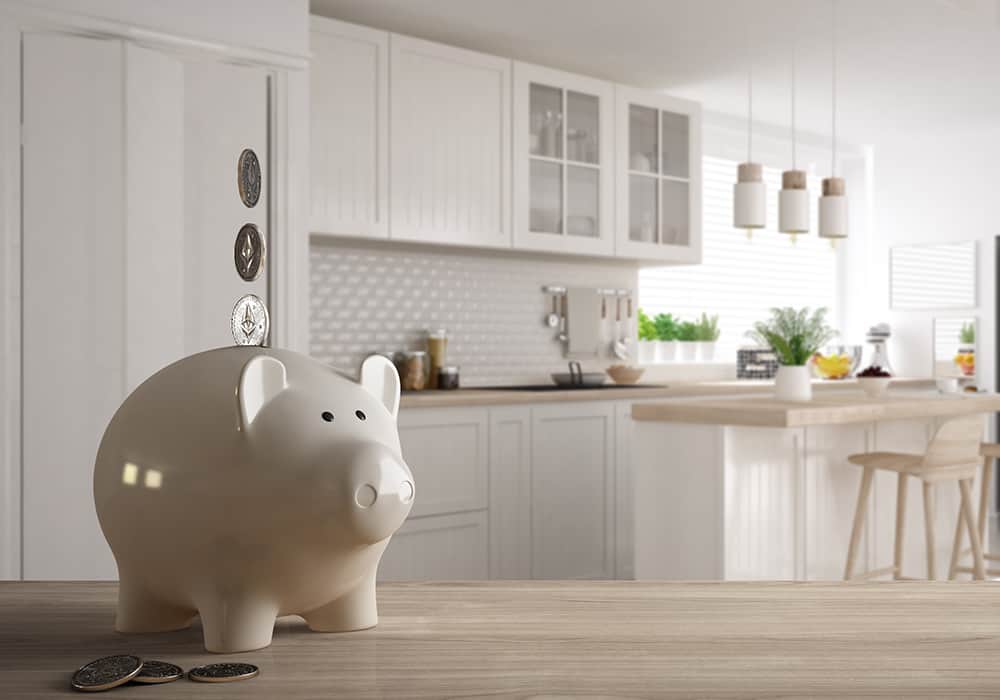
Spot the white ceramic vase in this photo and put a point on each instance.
(706, 350)
(689, 350)
(647, 352)
(666, 350)
(793, 383)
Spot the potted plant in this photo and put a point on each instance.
(666, 337)
(647, 339)
(708, 333)
(687, 335)
(966, 356)
(794, 336)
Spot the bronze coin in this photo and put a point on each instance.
(158, 672)
(249, 252)
(248, 177)
(223, 672)
(106, 673)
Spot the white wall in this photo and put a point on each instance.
(930, 188)
(272, 25)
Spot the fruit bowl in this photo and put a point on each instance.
(836, 361)
(874, 381)
(621, 374)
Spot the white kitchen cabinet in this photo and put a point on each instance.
(447, 451)
(449, 129)
(563, 131)
(510, 492)
(658, 193)
(573, 490)
(349, 129)
(444, 548)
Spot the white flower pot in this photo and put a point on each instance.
(706, 350)
(647, 352)
(793, 383)
(689, 350)
(666, 350)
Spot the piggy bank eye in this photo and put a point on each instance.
(327, 416)
(360, 414)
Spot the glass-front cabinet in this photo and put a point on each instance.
(658, 172)
(564, 162)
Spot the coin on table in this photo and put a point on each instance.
(249, 252)
(158, 672)
(248, 177)
(249, 321)
(107, 672)
(223, 673)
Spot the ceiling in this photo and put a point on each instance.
(903, 65)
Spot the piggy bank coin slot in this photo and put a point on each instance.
(327, 416)
(360, 414)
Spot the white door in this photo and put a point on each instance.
(564, 185)
(573, 491)
(349, 129)
(658, 149)
(449, 128)
(74, 359)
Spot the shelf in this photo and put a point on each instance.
(565, 161)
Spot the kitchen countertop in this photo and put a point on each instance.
(566, 639)
(496, 397)
(824, 409)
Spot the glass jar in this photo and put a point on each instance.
(437, 348)
(448, 377)
(414, 371)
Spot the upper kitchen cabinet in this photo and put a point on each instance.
(658, 146)
(563, 162)
(450, 138)
(349, 130)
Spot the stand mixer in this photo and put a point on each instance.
(878, 335)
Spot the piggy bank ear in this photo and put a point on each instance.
(262, 379)
(380, 378)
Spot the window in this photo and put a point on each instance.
(741, 279)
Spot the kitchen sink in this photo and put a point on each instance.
(572, 387)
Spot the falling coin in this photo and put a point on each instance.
(223, 673)
(248, 177)
(248, 253)
(249, 321)
(158, 672)
(106, 673)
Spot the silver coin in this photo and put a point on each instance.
(223, 673)
(107, 672)
(250, 321)
(158, 672)
(248, 253)
(248, 177)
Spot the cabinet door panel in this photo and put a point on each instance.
(573, 491)
(441, 548)
(446, 449)
(349, 129)
(450, 135)
(510, 492)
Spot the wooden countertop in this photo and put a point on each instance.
(824, 409)
(499, 397)
(565, 639)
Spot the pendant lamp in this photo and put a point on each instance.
(749, 193)
(833, 202)
(793, 199)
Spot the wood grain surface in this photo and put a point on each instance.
(825, 409)
(555, 639)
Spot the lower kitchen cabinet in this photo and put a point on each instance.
(445, 547)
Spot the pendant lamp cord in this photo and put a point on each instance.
(749, 97)
(833, 73)
(794, 160)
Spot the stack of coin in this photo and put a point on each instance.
(249, 321)
(113, 671)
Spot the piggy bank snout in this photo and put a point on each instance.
(380, 492)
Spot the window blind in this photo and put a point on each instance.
(741, 279)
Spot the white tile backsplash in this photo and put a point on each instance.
(373, 298)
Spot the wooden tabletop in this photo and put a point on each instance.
(555, 639)
(824, 409)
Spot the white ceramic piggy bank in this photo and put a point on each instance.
(245, 483)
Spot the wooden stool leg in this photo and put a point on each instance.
(984, 498)
(929, 528)
(965, 487)
(956, 547)
(897, 550)
(859, 521)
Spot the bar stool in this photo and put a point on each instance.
(989, 452)
(952, 455)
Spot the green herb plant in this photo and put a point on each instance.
(666, 327)
(968, 334)
(708, 328)
(647, 329)
(687, 331)
(795, 335)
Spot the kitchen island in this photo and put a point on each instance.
(553, 639)
(749, 487)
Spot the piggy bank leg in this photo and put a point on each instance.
(354, 610)
(140, 612)
(237, 622)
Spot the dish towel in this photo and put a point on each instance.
(583, 322)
